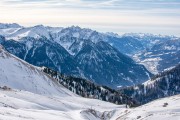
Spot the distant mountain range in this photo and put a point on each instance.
(74, 51)
(105, 58)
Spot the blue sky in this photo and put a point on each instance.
(120, 16)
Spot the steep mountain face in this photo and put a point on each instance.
(18, 74)
(81, 33)
(101, 62)
(98, 62)
(162, 85)
(125, 44)
(42, 52)
(72, 44)
(73, 38)
(138, 46)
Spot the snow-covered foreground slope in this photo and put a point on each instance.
(161, 109)
(23, 105)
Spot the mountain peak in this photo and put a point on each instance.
(74, 27)
(79, 29)
(112, 34)
(39, 26)
(9, 25)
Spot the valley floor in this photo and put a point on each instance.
(23, 105)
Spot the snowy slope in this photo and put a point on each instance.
(8, 29)
(21, 105)
(18, 74)
(161, 109)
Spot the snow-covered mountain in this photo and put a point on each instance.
(37, 31)
(75, 51)
(131, 41)
(9, 25)
(72, 38)
(162, 85)
(135, 45)
(102, 62)
(98, 62)
(8, 29)
(18, 74)
(73, 41)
